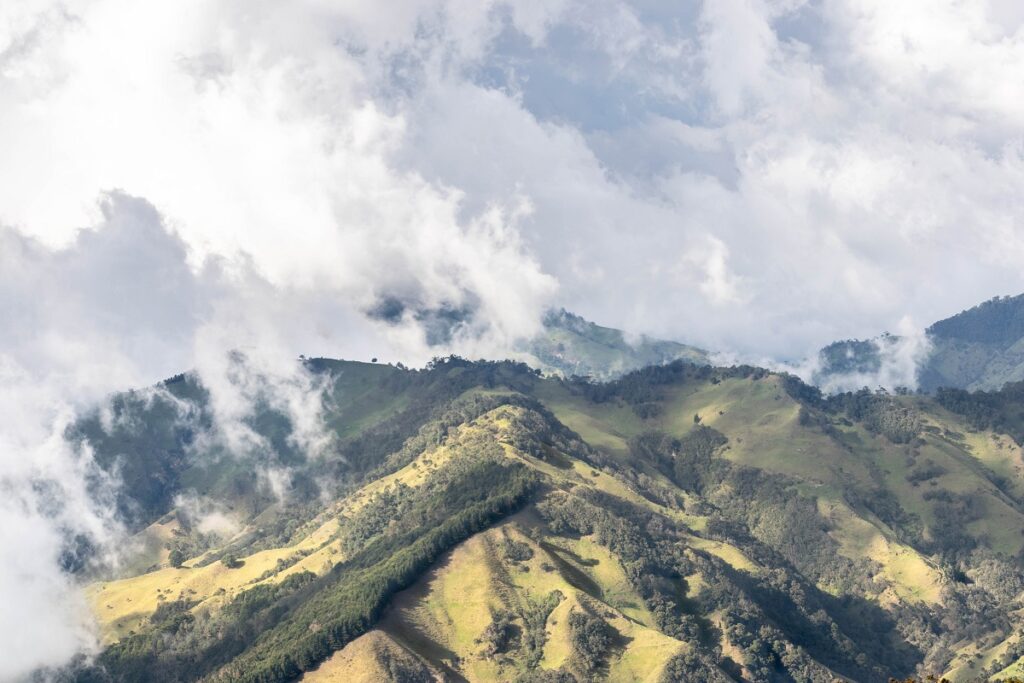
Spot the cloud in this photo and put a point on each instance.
(206, 516)
(270, 142)
(893, 362)
(51, 498)
(385, 143)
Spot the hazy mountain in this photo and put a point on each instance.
(476, 521)
(980, 348)
(570, 345)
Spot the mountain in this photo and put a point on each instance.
(980, 348)
(480, 522)
(570, 345)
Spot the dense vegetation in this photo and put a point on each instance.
(997, 321)
(1001, 411)
(762, 531)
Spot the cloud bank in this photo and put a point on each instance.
(358, 179)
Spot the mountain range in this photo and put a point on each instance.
(981, 348)
(479, 521)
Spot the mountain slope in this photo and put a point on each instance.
(474, 521)
(981, 348)
(570, 345)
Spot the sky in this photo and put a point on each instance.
(346, 178)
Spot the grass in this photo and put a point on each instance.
(374, 657)
(970, 661)
(910, 575)
(445, 613)
(606, 571)
(359, 401)
(761, 422)
(694, 585)
(125, 605)
(730, 554)
(449, 608)
(607, 426)
(1013, 670)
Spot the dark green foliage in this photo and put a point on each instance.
(177, 557)
(807, 394)
(693, 463)
(851, 356)
(181, 646)
(1001, 411)
(375, 516)
(500, 635)
(953, 512)
(535, 618)
(231, 561)
(517, 551)
(188, 542)
(172, 617)
(997, 321)
(642, 387)
(150, 438)
(591, 639)
(273, 633)
(258, 598)
(356, 592)
(846, 637)
(692, 665)
(877, 410)
(548, 676)
(150, 434)
(925, 471)
(880, 413)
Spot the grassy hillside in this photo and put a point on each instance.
(474, 521)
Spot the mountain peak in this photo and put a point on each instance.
(571, 345)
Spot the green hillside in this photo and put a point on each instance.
(478, 522)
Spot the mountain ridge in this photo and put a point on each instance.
(735, 521)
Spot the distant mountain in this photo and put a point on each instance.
(981, 348)
(480, 522)
(570, 345)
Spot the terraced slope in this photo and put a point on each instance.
(474, 521)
